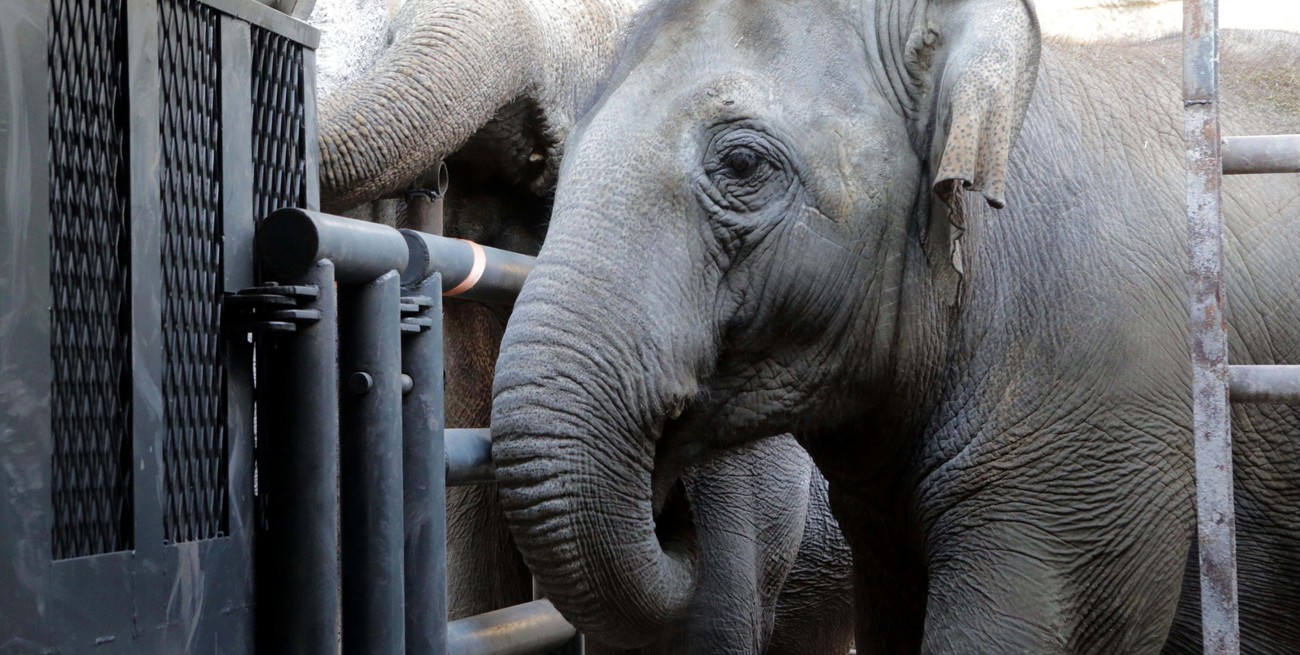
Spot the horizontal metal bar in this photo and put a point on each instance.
(290, 241)
(469, 456)
(524, 629)
(1264, 384)
(468, 270)
(1244, 155)
(257, 13)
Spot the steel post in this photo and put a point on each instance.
(424, 206)
(423, 475)
(297, 546)
(370, 438)
(1216, 525)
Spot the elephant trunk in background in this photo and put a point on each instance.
(433, 88)
(372, 129)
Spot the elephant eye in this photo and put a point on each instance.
(741, 163)
(746, 169)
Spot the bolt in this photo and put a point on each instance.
(360, 383)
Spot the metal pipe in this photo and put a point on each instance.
(520, 630)
(424, 492)
(469, 456)
(1265, 384)
(291, 240)
(297, 564)
(370, 414)
(1244, 155)
(468, 270)
(424, 206)
(1216, 523)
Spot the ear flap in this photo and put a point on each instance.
(978, 60)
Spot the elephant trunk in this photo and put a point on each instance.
(431, 90)
(574, 446)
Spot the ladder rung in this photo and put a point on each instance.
(469, 456)
(1246, 155)
(1264, 384)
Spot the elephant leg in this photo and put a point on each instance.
(484, 570)
(747, 508)
(1016, 583)
(814, 612)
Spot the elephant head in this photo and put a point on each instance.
(756, 230)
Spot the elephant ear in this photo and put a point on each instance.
(975, 62)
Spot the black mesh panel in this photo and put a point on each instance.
(194, 453)
(279, 166)
(90, 278)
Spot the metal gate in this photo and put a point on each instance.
(136, 139)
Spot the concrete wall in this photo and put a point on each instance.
(356, 31)
(1137, 19)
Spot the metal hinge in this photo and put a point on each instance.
(271, 308)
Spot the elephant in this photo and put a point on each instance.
(775, 559)
(949, 256)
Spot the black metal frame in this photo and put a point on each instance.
(156, 596)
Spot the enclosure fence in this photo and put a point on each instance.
(1216, 383)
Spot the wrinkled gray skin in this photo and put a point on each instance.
(760, 514)
(756, 231)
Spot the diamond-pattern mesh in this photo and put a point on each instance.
(195, 460)
(279, 166)
(90, 277)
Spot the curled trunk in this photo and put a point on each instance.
(574, 468)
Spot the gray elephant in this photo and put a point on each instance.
(775, 563)
(950, 259)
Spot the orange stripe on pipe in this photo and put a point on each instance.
(475, 271)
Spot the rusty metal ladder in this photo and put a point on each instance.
(1215, 383)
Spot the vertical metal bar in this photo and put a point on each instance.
(370, 417)
(148, 424)
(424, 480)
(26, 295)
(311, 154)
(297, 547)
(238, 259)
(1216, 525)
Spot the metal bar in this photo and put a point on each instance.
(297, 563)
(263, 16)
(520, 630)
(26, 435)
(576, 645)
(370, 439)
(1264, 384)
(469, 456)
(291, 240)
(468, 270)
(424, 206)
(424, 479)
(1216, 524)
(1246, 155)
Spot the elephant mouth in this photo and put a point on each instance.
(675, 524)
